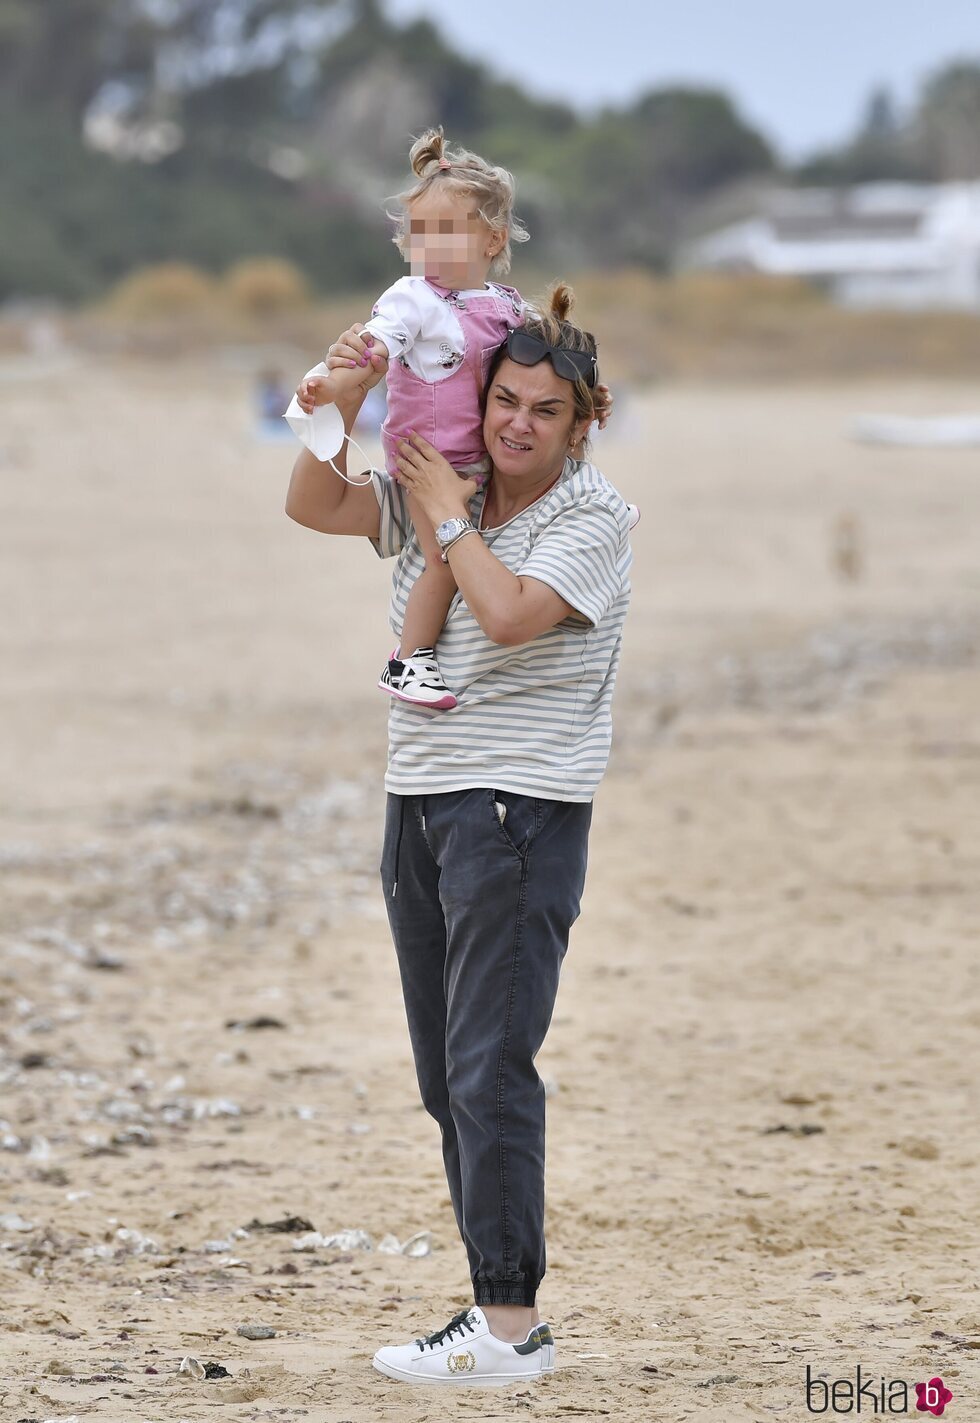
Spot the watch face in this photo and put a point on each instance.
(448, 529)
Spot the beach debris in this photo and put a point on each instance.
(192, 1368)
(217, 1107)
(251, 1024)
(289, 1225)
(359, 1128)
(340, 1240)
(256, 1331)
(221, 1247)
(16, 1222)
(51, 1176)
(804, 1129)
(216, 1371)
(415, 1246)
(135, 1243)
(98, 958)
(124, 1242)
(135, 1135)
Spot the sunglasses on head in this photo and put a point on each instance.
(528, 350)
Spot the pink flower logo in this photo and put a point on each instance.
(932, 1396)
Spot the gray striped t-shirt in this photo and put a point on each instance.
(534, 719)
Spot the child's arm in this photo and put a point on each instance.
(397, 320)
(342, 380)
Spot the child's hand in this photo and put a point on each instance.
(602, 401)
(313, 391)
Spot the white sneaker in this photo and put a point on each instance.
(466, 1353)
(634, 515)
(417, 679)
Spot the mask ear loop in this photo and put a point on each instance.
(368, 473)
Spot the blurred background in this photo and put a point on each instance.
(224, 165)
(770, 215)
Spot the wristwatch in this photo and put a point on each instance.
(451, 529)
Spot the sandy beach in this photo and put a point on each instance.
(762, 1154)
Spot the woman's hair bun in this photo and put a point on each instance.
(426, 149)
(561, 300)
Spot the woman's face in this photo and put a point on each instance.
(530, 423)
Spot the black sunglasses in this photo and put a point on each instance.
(528, 350)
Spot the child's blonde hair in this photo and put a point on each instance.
(466, 173)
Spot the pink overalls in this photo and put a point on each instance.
(447, 412)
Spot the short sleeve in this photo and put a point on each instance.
(395, 522)
(398, 315)
(579, 555)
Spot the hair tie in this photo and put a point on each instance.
(444, 163)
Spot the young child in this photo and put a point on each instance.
(439, 329)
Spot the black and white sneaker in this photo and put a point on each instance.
(466, 1353)
(417, 679)
(634, 515)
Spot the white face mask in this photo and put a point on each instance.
(323, 432)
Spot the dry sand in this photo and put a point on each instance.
(762, 1150)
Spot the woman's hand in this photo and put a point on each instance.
(351, 350)
(432, 480)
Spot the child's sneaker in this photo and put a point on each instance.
(634, 515)
(466, 1353)
(417, 679)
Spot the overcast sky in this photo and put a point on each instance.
(800, 71)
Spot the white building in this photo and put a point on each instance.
(904, 245)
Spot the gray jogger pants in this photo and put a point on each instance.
(480, 911)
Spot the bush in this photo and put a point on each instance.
(170, 288)
(265, 286)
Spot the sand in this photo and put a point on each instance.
(763, 1064)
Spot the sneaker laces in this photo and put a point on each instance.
(410, 675)
(456, 1325)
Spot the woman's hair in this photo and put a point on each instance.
(466, 174)
(548, 319)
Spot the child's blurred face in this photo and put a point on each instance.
(447, 240)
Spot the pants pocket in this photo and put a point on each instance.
(516, 817)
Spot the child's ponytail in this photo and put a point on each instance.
(427, 149)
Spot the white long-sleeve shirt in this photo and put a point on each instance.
(416, 323)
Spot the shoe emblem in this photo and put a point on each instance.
(461, 1363)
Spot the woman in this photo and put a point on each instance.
(489, 804)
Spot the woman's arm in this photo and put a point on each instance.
(510, 609)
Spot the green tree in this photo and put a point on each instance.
(947, 123)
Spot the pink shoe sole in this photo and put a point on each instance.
(443, 704)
